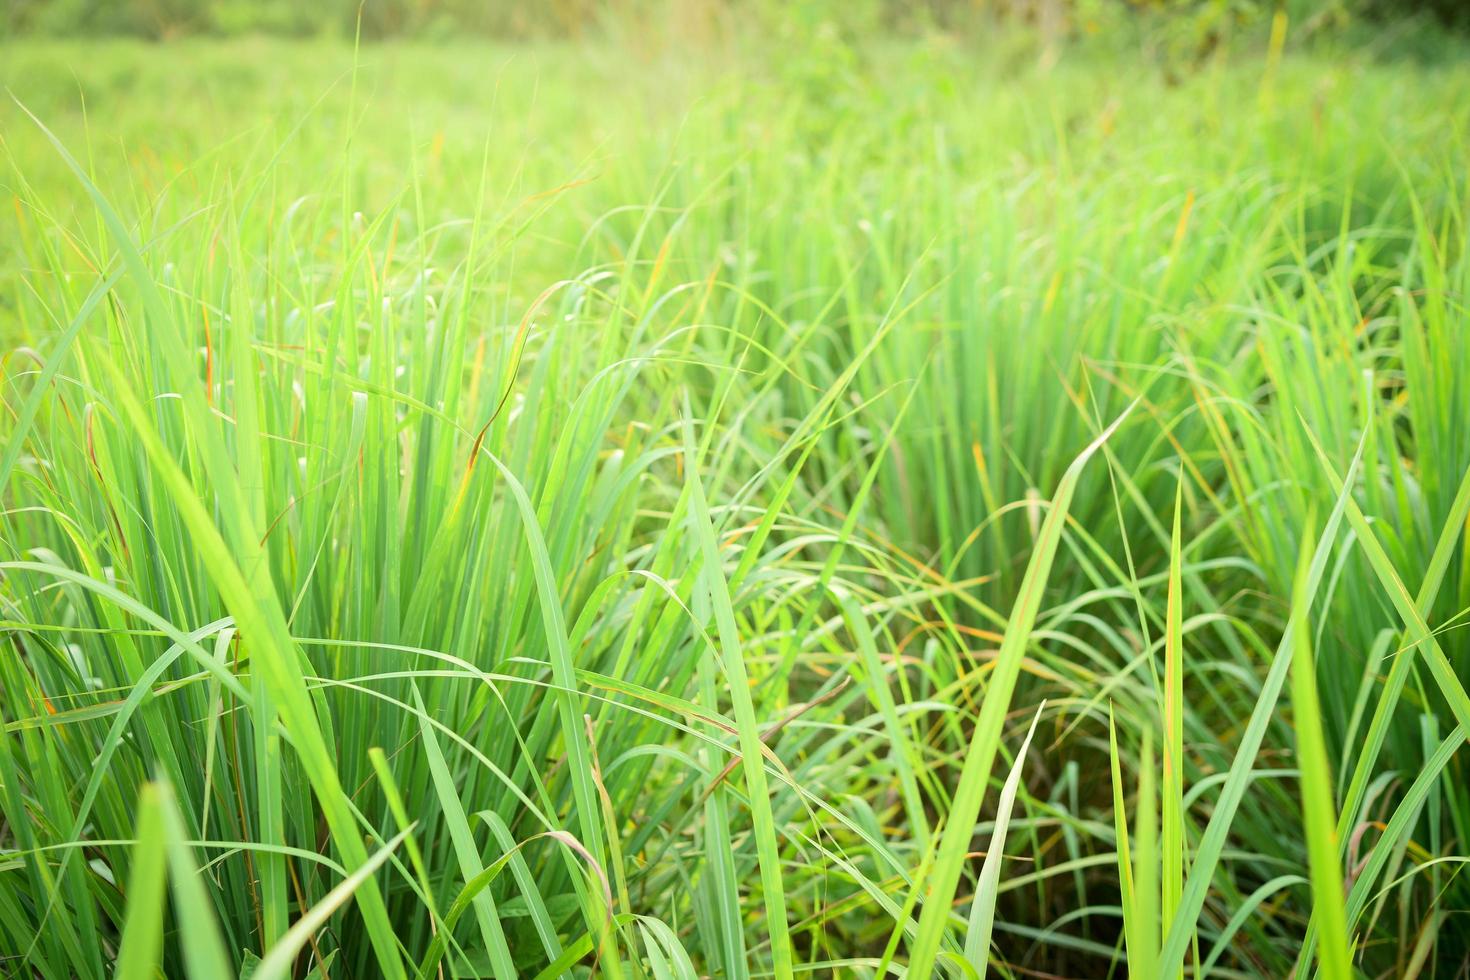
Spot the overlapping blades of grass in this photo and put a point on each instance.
(411, 409)
(954, 841)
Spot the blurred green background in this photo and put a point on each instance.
(1207, 23)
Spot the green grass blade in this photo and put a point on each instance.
(960, 827)
(1212, 843)
(1171, 842)
(1316, 791)
(466, 850)
(1141, 946)
(751, 749)
(982, 908)
(279, 960)
(199, 931)
(142, 935)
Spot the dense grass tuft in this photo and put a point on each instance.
(713, 514)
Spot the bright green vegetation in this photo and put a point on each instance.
(429, 488)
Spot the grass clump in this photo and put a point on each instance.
(671, 516)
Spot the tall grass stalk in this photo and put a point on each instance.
(623, 512)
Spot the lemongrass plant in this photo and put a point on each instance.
(623, 514)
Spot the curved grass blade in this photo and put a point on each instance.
(277, 963)
(982, 909)
(960, 828)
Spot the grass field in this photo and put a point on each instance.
(434, 474)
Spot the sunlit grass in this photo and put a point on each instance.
(476, 513)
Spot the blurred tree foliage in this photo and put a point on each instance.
(1202, 24)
